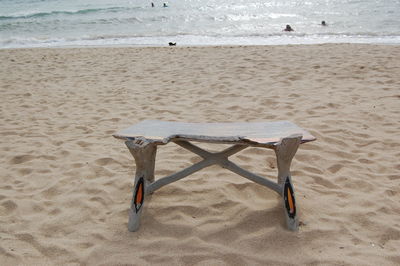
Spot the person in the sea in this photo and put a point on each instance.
(288, 28)
(152, 4)
(323, 23)
(165, 5)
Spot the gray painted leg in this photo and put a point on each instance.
(289, 205)
(144, 154)
(285, 151)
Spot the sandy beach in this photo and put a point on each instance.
(65, 183)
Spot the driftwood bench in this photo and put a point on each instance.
(143, 138)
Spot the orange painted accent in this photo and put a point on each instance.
(291, 203)
(139, 194)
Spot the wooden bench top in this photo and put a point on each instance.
(251, 133)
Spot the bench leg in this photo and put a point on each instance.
(145, 155)
(285, 151)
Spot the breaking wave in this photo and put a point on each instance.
(52, 13)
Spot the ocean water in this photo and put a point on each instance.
(55, 23)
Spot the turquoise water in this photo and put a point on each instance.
(48, 23)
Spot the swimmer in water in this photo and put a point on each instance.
(288, 28)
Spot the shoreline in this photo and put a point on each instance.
(228, 41)
(197, 46)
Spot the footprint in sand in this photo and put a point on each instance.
(21, 159)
